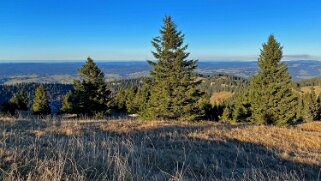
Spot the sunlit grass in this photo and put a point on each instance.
(51, 149)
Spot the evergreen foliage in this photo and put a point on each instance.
(238, 108)
(227, 115)
(69, 103)
(120, 100)
(142, 97)
(221, 82)
(242, 107)
(18, 101)
(311, 106)
(133, 99)
(92, 92)
(270, 92)
(173, 93)
(40, 104)
(131, 104)
(55, 94)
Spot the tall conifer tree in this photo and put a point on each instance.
(174, 94)
(92, 92)
(271, 97)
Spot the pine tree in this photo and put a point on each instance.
(17, 102)
(68, 103)
(271, 96)
(174, 93)
(131, 105)
(92, 92)
(315, 105)
(120, 100)
(227, 115)
(41, 104)
(241, 107)
(301, 109)
(142, 96)
(311, 104)
(21, 100)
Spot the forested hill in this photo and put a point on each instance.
(55, 92)
(11, 73)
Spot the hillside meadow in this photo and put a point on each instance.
(55, 148)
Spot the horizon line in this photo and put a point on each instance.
(119, 61)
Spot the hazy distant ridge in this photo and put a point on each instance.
(64, 72)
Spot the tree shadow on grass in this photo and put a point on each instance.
(173, 149)
(156, 153)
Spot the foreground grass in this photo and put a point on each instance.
(49, 149)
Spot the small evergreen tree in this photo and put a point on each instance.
(241, 107)
(92, 92)
(17, 102)
(311, 104)
(301, 108)
(227, 115)
(131, 105)
(68, 103)
(173, 93)
(120, 100)
(40, 104)
(142, 96)
(271, 97)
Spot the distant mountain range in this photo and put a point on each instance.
(61, 72)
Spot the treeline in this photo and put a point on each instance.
(309, 82)
(222, 82)
(175, 92)
(10, 94)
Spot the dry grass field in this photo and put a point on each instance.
(54, 149)
(306, 89)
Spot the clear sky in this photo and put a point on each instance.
(123, 29)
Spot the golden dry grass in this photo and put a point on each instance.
(306, 89)
(157, 150)
(218, 97)
(67, 130)
(311, 126)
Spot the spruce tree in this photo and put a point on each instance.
(92, 92)
(131, 105)
(301, 109)
(120, 100)
(21, 101)
(40, 104)
(227, 115)
(68, 103)
(241, 106)
(18, 101)
(174, 93)
(315, 105)
(311, 104)
(271, 97)
(142, 96)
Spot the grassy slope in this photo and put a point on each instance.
(157, 150)
(306, 89)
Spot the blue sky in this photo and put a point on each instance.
(123, 29)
